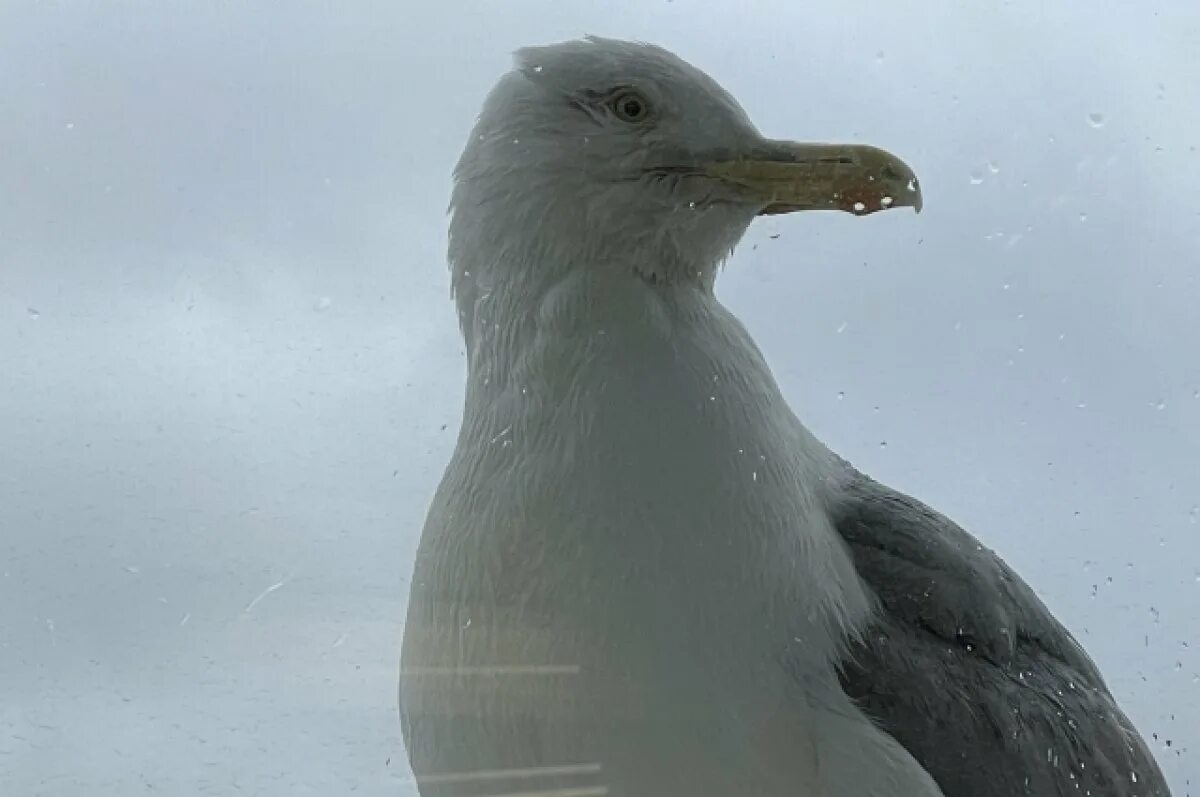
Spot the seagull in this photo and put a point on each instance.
(641, 575)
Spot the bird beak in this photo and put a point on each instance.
(787, 176)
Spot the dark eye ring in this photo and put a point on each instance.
(629, 106)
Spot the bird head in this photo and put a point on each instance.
(610, 152)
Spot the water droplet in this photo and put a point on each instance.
(516, 141)
(691, 204)
(842, 395)
(859, 207)
(537, 67)
(976, 178)
(912, 185)
(322, 304)
(33, 312)
(841, 328)
(879, 56)
(993, 167)
(1096, 119)
(1160, 405)
(886, 201)
(883, 443)
(1083, 217)
(69, 125)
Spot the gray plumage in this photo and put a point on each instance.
(641, 575)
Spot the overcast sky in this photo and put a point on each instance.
(232, 373)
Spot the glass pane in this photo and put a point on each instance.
(234, 377)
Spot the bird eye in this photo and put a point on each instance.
(629, 106)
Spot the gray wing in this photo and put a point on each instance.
(970, 672)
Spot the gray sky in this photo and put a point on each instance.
(233, 372)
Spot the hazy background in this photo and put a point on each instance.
(230, 373)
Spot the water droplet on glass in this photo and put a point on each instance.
(1160, 405)
(976, 178)
(841, 395)
(537, 67)
(33, 313)
(879, 56)
(886, 201)
(1096, 119)
(69, 125)
(859, 207)
(516, 141)
(883, 443)
(1083, 217)
(841, 328)
(993, 167)
(322, 304)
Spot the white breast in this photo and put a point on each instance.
(629, 562)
